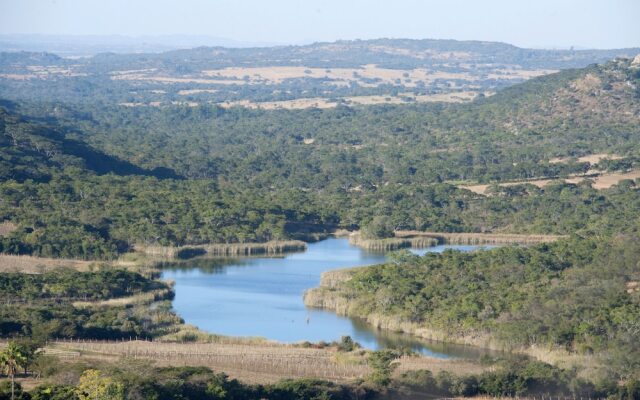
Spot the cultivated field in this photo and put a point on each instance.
(254, 363)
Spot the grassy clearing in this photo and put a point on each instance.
(320, 102)
(6, 227)
(38, 265)
(591, 158)
(363, 75)
(600, 181)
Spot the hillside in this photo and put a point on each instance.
(512, 135)
(576, 298)
(252, 175)
(35, 151)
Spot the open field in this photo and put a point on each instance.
(37, 265)
(600, 181)
(321, 102)
(253, 363)
(142, 298)
(368, 75)
(591, 158)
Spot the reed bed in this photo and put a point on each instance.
(224, 249)
(137, 299)
(391, 244)
(248, 249)
(481, 238)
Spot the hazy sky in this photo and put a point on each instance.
(527, 23)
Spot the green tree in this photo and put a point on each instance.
(382, 363)
(10, 360)
(94, 386)
(380, 227)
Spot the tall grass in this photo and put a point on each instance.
(391, 244)
(224, 249)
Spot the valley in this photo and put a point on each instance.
(165, 215)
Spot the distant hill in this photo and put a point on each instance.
(321, 75)
(511, 135)
(87, 45)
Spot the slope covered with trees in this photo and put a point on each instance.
(89, 181)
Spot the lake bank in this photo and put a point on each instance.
(386, 297)
(330, 296)
(262, 297)
(420, 239)
(223, 249)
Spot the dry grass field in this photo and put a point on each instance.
(600, 181)
(367, 76)
(38, 265)
(320, 102)
(142, 298)
(591, 158)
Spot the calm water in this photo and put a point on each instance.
(263, 297)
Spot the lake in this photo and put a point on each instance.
(262, 297)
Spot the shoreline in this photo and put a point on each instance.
(223, 249)
(419, 239)
(327, 296)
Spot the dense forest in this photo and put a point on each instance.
(91, 181)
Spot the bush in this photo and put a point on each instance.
(347, 344)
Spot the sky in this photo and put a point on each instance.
(525, 23)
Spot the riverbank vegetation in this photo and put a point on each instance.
(577, 295)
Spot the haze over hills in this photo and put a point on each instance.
(88, 45)
(320, 75)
